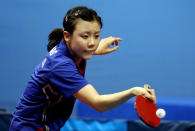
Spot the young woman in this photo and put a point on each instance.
(58, 80)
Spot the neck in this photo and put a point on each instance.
(77, 59)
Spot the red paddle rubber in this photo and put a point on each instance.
(146, 110)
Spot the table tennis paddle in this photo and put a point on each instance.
(146, 110)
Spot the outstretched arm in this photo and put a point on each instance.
(102, 103)
(105, 45)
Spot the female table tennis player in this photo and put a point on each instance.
(58, 80)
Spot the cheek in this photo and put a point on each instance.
(78, 45)
(97, 44)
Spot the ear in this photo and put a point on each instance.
(66, 36)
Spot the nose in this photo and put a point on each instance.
(91, 43)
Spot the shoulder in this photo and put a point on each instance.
(58, 58)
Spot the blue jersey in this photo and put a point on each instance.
(47, 101)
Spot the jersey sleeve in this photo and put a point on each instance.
(67, 79)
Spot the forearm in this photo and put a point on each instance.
(102, 103)
(110, 101)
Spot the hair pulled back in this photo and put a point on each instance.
(69, 23)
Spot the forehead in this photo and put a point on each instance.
(87, 26)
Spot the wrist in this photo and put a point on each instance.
(133, 91)
(97, 52)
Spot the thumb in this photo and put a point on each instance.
(113, 49)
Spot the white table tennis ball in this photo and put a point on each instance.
(160, 113)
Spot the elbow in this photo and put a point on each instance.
(100, 105)
(100, 109)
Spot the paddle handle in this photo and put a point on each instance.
(147, 86)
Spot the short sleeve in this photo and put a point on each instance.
(67, 79)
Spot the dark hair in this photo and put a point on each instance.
(69, 22)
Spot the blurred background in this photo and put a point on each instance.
(157, 48)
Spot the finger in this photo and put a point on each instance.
(117, 39)
(149, 91)
(113, 49)
(113, 40)
(152, 92)
(150, 97)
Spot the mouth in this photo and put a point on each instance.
(89, 51)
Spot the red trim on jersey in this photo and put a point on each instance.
(82, 70)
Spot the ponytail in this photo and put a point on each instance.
(54, 38)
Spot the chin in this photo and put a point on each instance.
(87, 57)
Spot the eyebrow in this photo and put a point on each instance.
(90, 32)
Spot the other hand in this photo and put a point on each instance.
(105, 45)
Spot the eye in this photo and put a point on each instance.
(97, 36)
(85, 36)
